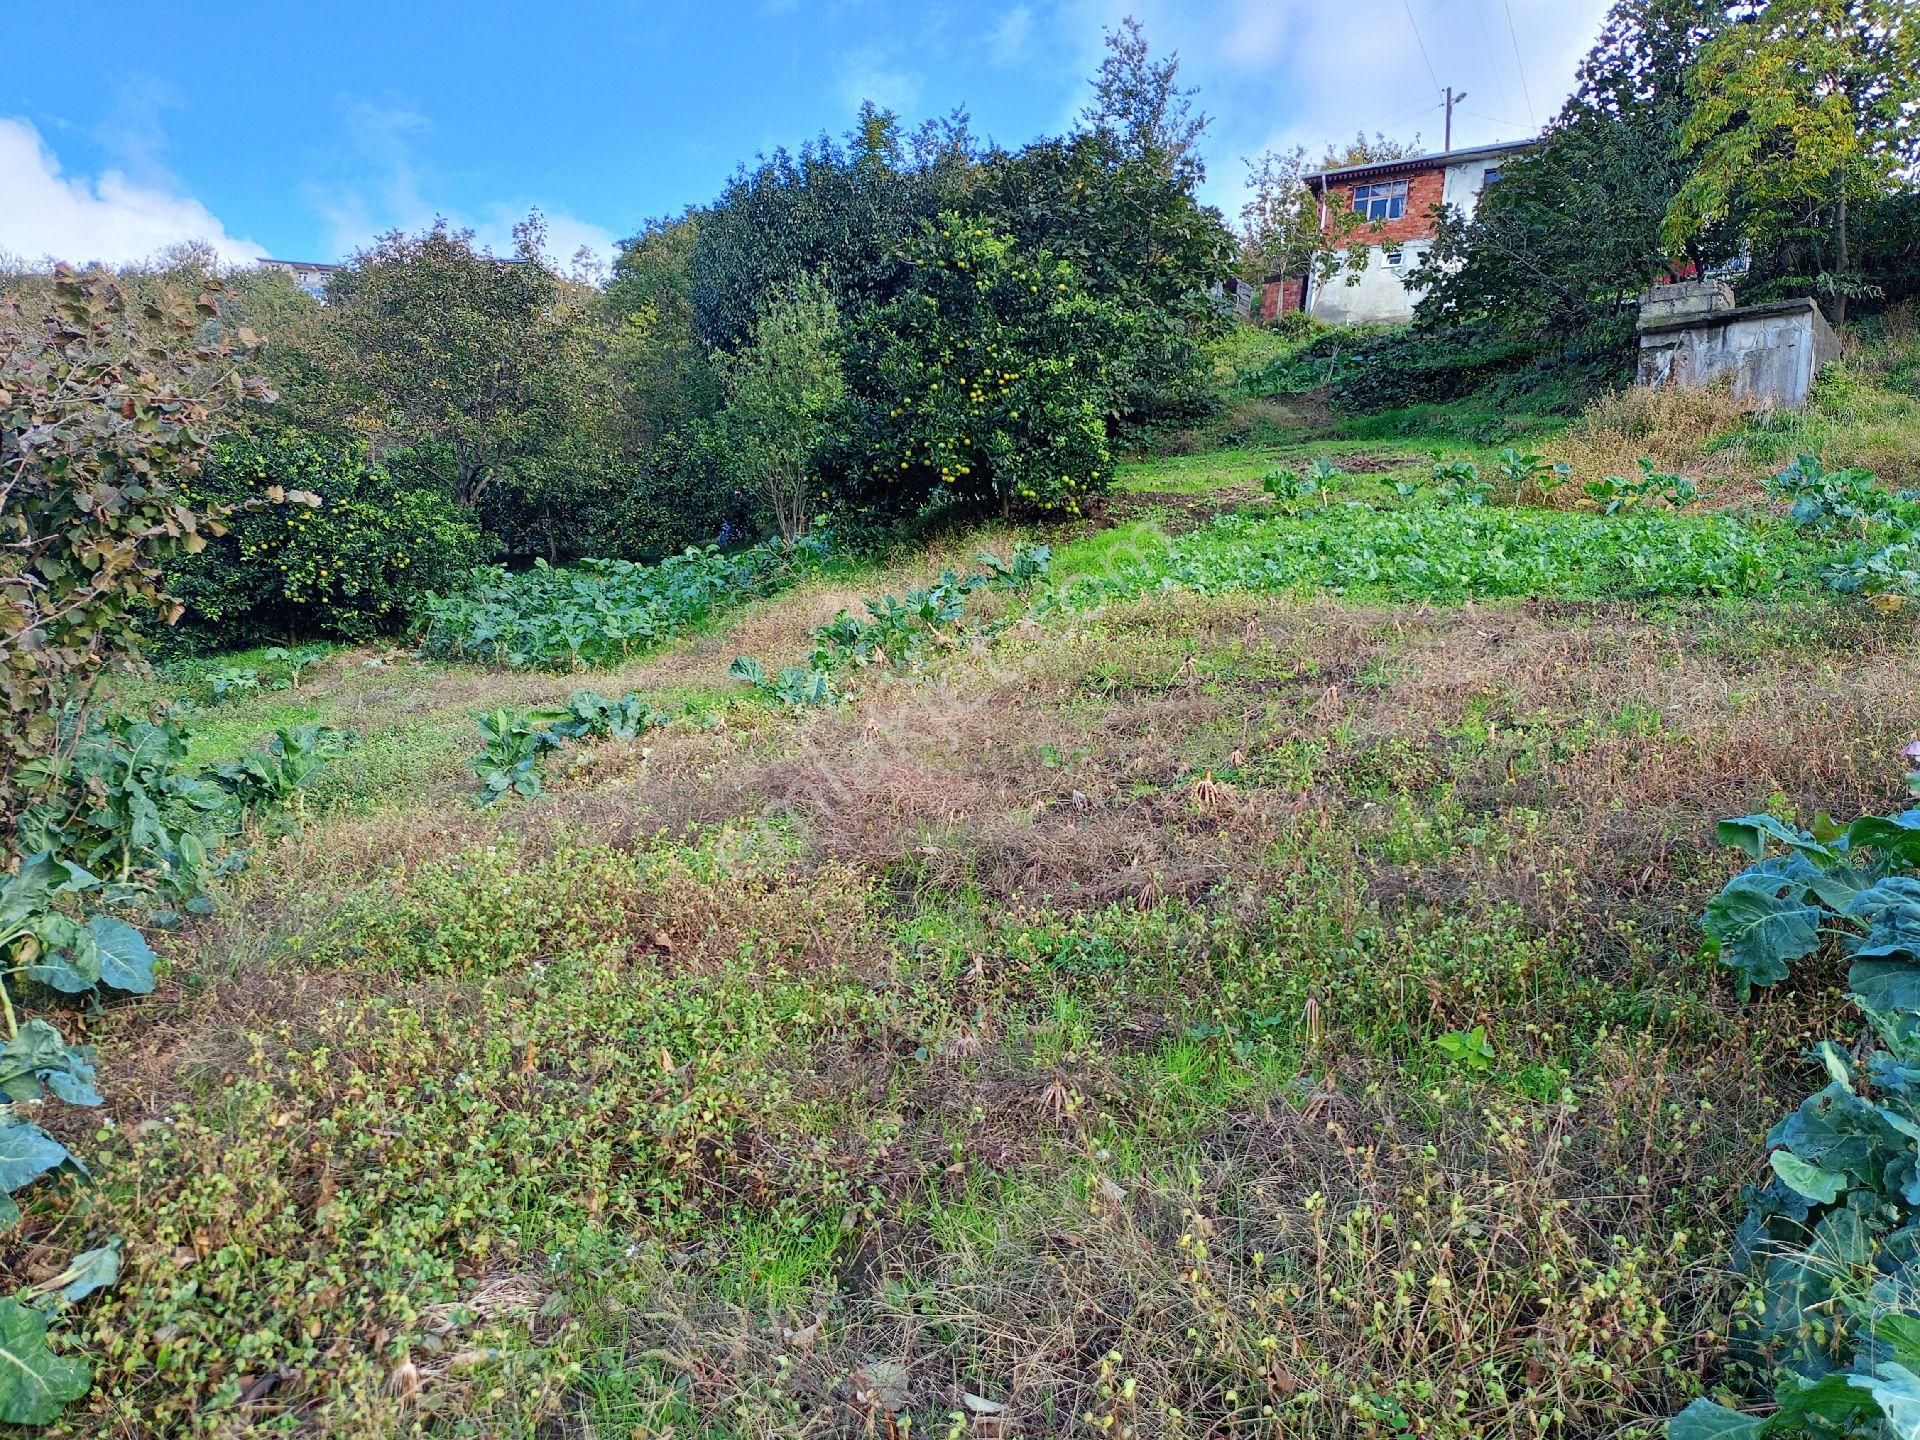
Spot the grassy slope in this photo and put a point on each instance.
(1067, 1027)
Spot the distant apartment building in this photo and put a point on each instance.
(310, 275)
(1395, 200)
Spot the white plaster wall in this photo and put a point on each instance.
(1377, 297)
(1460, 186)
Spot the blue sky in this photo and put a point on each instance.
(304, 130)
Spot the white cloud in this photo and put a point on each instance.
(868, 75)
(390, 189)
(1276, 73)
(1010, 39)
(565, 233)
(110, 218)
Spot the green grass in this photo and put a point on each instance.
(1067, 1024)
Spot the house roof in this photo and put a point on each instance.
(1435, 160)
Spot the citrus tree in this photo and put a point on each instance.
(989, 378)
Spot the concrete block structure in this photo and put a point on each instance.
(1693, 335)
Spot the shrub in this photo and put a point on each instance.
(353, 558)
(1412, 367)
(781, 389)
(101, 416)
(987, 379)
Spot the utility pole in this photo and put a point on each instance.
(1452, 100)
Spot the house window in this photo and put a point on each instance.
(1386, 200)
(1394, 257)
(1490, 179)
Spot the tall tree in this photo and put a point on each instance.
(668, 379)
(1803, 109)
(493, 368)
(1117, 200)
(781, 391)
(839, 210)
(1137, 100)
(1574, 226)
(1135, 234)
(1280, 229)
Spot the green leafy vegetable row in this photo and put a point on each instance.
(1454, 552)
(898, 629)
(517, 741)
(601, 612)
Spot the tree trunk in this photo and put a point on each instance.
(1840, 258)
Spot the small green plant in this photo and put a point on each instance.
(509, 763)
(798, 687)
(279, 774)
(1467, 1050)
(1524, 469)
(1459, 482)
(1290, 488)
(1025, 572)
(296, 660)
(1612, 494)
(231, 681)
(121, 804)
(1880, 528)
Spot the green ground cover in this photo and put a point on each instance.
(1253, 995)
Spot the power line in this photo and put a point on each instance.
(1407, 5)
(1406, 113)
(1518, 63)
(1486, 41)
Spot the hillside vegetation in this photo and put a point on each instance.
(1248, 981)
(885, 822)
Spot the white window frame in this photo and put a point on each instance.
(1380, 200)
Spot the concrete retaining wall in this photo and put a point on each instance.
(1772, 353)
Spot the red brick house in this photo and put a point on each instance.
(1396, 199)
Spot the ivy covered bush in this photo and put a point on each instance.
(350, 554)
(989, 379)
